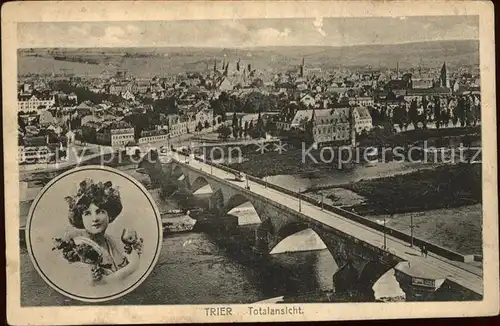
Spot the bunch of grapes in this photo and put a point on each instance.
(82, 253)
(131, 241)
(97, 272)
(67, 246)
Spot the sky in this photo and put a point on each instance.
(323, 31)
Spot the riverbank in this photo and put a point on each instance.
(291, 161)
(446, 186)
(458, 229)
(309, 162)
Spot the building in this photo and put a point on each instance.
(118, 89)
(119, 133)
(55, 129)
(329, 125)
(428, 92)
(204, 115)
(70, 136)
(361, 101)
(128, 95)
(28, 103)
(46, 118)
(308, 100)
(153, 136)
(361, 115)
(362, 119)
(34, 150)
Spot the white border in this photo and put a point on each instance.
(128, 11)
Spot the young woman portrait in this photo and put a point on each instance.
(85, 234)
(90, 212)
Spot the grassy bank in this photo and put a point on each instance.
(444, 187)
(289, 162)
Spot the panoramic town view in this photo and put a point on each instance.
(289, 164)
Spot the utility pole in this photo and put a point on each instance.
(321, 201)
(411, 229)
(300, 203)
(385, 236)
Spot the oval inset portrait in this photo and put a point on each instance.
(94, 233)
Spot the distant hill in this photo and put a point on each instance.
(148, 62)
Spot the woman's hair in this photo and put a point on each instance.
(102, 195)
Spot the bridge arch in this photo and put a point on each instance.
(198, 183)
(177, 171)
(371, 274)
(234, 201)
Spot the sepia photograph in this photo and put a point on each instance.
(253, 164)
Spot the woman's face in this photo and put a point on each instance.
(95, 219)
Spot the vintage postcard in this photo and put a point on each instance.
(170, 162)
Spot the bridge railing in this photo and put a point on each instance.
(444, 252)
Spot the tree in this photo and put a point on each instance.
(235, 125)
(21, 124)
(199, 127)
(413, 113)
(437, 111)
(240, 127)
(460, 111)
(245, 129)
(224, 132)
(270, 127)
(207, 125)
(166, 105)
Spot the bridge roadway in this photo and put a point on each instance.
(467, 276)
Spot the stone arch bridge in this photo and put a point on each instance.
(357, 249)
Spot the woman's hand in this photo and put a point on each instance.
(131, 241)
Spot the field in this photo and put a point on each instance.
(458, 229)
(148, 62)
(443, 187)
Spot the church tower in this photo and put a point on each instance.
(444, 79)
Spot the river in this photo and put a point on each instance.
(212, 264)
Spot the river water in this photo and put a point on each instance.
(213, 264)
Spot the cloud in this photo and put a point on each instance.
(132, 29)
(235, 25)
(270, 36)
(82, 30)
(318, 25)
(240, 32)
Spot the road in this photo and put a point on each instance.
(465, 275)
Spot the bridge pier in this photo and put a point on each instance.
(360, 265)
(346, 281)
(418, 285)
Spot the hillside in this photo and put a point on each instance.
(148, 62)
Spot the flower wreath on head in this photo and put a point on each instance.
(76, 248)
(101, 194)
